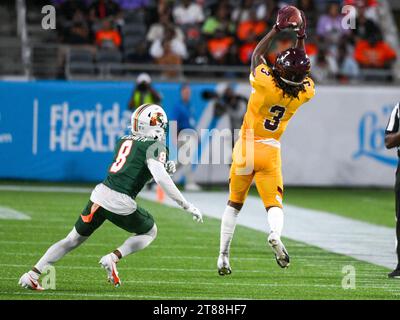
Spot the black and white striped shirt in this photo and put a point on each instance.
(394, 121)
(393, 124)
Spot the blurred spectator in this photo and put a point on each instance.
(374, 53)
(130, 5)
(330, 24)
(101, 9)
(365, 27)
(242, 13)
(219, 46)
(188, 12)
(200, 56)
(175, 45)
(324, 67)
(219, 21)
(79, 32)
(369, 6)
(247, 48)
(143, 92)
(308, 6)
(183, 113)
(170, 59)
(234, 106)
(284, 41)
(347, 66)
(251, 27)
(69, 8)
(139, 55)
(228, 103)
(266, 10)
(158, 29)
(108, 36)
(311, 49)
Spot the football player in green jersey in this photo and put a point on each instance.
(138, 158)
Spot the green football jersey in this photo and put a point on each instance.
(129, 172)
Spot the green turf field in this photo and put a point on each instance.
(180, 264)
(370, 205)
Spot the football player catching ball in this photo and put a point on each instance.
(277, 92)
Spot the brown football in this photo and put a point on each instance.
(295, 17)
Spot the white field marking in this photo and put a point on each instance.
(56, 189)
(11, 214)
(48, 293)
(166, 257)
(216, 283)
(360, 284)
(224, 284)
(360, 240)
(35, 126)
(7, 265)
(163, 269)
(201, 283)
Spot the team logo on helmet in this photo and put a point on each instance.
(157, 119)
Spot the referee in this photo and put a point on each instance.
(392, 139)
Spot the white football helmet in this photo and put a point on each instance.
(149, 120)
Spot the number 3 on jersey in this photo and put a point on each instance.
(123, 153)
(277, 112)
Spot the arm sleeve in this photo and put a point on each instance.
(393, 124)
(162, 178)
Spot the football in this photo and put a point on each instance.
(295, 18)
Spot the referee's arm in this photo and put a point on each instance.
(392, 134)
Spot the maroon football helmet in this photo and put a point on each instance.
(292, 66)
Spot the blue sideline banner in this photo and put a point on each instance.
(66, 131)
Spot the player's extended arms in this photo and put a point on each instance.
(392, 140)
(301, 33)
(259, 52)
(162, 178)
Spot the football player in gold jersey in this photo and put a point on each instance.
(277, 93)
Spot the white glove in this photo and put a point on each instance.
(197, 216)
(170, 166)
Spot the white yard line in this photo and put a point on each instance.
(361, 240)
(11, 214)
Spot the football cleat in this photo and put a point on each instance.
(223, 265)
(281, 255)
(110, 266)
(395, 274)
(27, 282)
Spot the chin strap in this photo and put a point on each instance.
(292, 83)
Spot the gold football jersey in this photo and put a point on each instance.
(268, 110)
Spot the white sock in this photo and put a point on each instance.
(60, 249)
(228, 224)
(114, 257)
(138, 242)
(275, 220)
(34, 275)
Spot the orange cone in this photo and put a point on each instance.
(160, 194)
